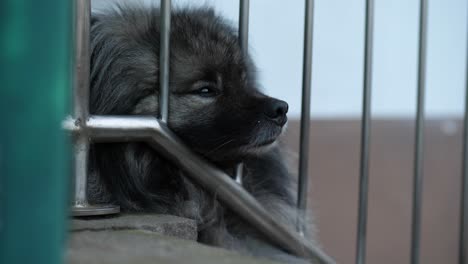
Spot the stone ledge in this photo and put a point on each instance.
(167, 225)
(143, 247)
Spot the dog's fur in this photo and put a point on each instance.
(215, 108)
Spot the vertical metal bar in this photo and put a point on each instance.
(244, 25)
(239, 172)
(365, 135)
(81, 98)
(244, 7)
(81, 207)
(462, 258)
(305, 112)
(164, 60)
(419, 137)
(81, 151)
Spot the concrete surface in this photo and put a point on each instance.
(143, 247)
(144, 239)
(167, 225)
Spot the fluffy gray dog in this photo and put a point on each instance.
(215, 108)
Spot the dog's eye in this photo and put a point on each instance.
(206, 91)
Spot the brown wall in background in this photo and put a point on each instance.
(334, 174)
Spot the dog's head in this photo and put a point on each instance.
(215, 105)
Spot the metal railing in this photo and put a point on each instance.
(419, 137)
(81, 207)
(463, 239)
(365, 134)
(418, 145)
(303, 183)
(155, 132)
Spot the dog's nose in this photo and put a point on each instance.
(276, 111)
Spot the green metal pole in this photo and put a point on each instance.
(35, 82)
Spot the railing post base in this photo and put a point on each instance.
(97, 209)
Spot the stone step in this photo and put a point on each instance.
(144, 239)
(167, 225)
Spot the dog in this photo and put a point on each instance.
(216, 109)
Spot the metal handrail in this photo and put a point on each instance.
(159, 136)
(155, 132)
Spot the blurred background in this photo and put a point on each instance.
(276, 44)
